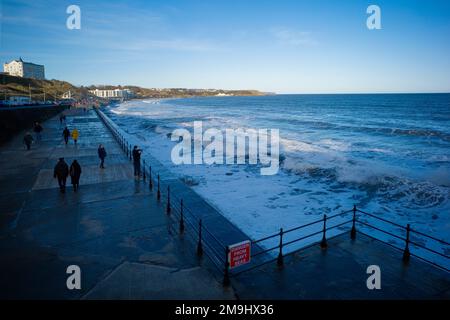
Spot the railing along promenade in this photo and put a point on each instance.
(262, 252)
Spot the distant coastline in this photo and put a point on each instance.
(55, 89)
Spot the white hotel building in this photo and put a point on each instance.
(20, 68)
(115, 93)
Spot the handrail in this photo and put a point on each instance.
(431, 250)
(382, 219)
(303, 226)
(300, 227)
(302, 238)
(410, 230)
(384, 231)
(428, 236)
(354, 220)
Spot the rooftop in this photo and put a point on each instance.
(21, 60)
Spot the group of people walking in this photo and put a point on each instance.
(62, 170)
(28, 138)
(74, 134)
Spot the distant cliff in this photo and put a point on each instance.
(181, 92)
(51, 89)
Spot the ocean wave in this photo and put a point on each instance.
(382, 183)
(152, 101)
(412, 194)
(381, 186)
(413, 132)
(332, 163)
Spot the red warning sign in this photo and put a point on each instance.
(239, 254)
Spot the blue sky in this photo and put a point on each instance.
(279, 46)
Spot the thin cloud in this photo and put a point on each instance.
(291, 37)
(173, 44)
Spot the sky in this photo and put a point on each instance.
(280, 46)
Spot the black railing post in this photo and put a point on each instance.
(144, 175)
(199, 245)
(130, 151)
(168, 208)
(280, 252)
(323, 243)
(126, 147)
(353, 231)
(158, 193)
(226, 275)
(150, 180)
(406, 253)
(181, 217)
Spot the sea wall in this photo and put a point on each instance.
(15, 119)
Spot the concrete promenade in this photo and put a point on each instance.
(113, 228)
(127, 248)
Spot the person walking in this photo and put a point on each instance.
(38, 130)
(75, 173)
(75, 135)
(102, 155)
(27, 140)
(61, 171)
(66, 135)
(137, 161)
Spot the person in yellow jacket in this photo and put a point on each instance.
(75, 135)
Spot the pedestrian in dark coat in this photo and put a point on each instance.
(61, 172)
(102, 155)
(75, 173)
(66, 135)
(28, 139)
(37, 130)
(137, 161)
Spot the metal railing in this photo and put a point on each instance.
(217, 252)
(359, 218)
(179, 214)
(408, 238)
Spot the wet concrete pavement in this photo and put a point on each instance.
(112, 228)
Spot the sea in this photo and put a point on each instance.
(388, 154)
